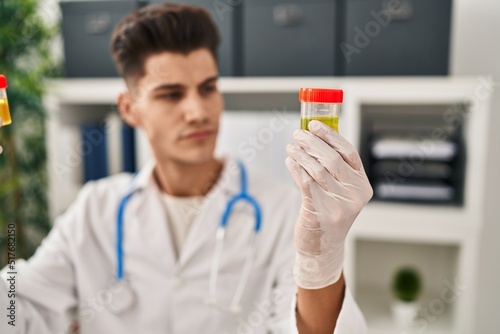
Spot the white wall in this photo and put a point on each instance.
(476, 50)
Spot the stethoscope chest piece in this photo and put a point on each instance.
(123, 297)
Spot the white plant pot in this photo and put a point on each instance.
(404, 313)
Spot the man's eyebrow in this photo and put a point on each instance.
(209, 80)
(168, 86)
(180, 86)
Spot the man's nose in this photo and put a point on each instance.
(195, 110)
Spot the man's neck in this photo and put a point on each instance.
(184, 180)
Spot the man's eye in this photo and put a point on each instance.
(208, 89)
(172, 96)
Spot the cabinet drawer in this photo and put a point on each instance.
(86, 30)
(396, 37)
(288, 38)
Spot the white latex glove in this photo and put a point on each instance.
(334, 186)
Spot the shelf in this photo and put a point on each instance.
(374, 89)
(376, 306)
(416, 222)
(376, 262)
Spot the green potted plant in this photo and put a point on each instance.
(406, 287)
(26, 40)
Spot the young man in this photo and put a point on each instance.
(174, 279)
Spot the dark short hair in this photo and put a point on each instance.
(154, 29)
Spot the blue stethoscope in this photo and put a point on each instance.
(124, 297)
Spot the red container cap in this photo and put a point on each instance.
(3, 81)
(321, 95)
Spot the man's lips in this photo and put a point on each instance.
(199, 135)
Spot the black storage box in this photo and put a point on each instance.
(86, 29)
(289, 37)
(395, 37)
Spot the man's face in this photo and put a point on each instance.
(178, 105)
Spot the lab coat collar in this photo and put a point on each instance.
(204, 227)
(229, 180)
(145, 177)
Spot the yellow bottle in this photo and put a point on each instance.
(4, 104)
(320, 104)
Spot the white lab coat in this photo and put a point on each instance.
(71, 272)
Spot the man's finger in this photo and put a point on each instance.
(300, 176)
(339, 143)
(326, 155)
(311, 165)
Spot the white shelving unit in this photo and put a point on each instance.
(441, 240)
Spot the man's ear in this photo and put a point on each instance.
(127, 110)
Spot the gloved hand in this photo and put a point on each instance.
(334, 187)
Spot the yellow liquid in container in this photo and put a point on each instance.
(4, 112)
(331, 121)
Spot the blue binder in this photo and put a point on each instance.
(94, 152)
(128, 149)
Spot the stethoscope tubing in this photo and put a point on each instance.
(220, 236)
(119, 235)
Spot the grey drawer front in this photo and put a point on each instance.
(414, 42)
(225, 21)
(87, 28)
(293, 40)
(276, 2)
